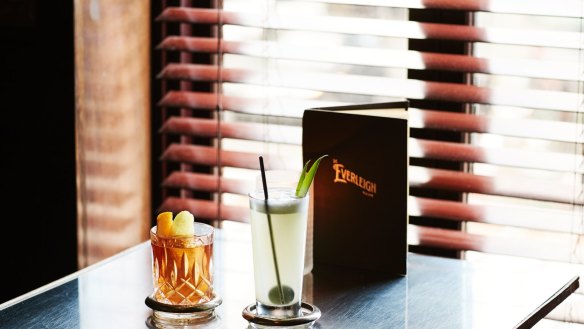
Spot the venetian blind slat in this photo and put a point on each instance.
(207, 183)
(518, 216)
(458, 240)
(238, 130)
(552, 161)
(563, 8)
(525, 128)
(375, 27)
(376, 57)
(208, 156)
(204, 209)
(379, 86)
(208, 101)
(418, 148)
(525, 188)
(473, 123)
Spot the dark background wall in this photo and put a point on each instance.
(38, 239)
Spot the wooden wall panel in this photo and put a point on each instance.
(112, 46)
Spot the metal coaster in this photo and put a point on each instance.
(310, 314)
(212, 323)
(203, 307)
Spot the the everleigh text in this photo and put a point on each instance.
(343, 175)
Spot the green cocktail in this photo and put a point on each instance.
(278, 240)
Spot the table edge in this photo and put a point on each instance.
(551, 303)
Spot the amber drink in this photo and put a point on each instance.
(182, 267)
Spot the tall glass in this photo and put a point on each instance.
(278, 241)
(182, 272)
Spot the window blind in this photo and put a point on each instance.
(519, 155)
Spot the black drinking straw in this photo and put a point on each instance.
(265, 185)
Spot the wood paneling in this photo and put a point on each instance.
(112, 45)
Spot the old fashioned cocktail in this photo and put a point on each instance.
(182, 272)
(182, 266)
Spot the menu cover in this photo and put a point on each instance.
(360, 192)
